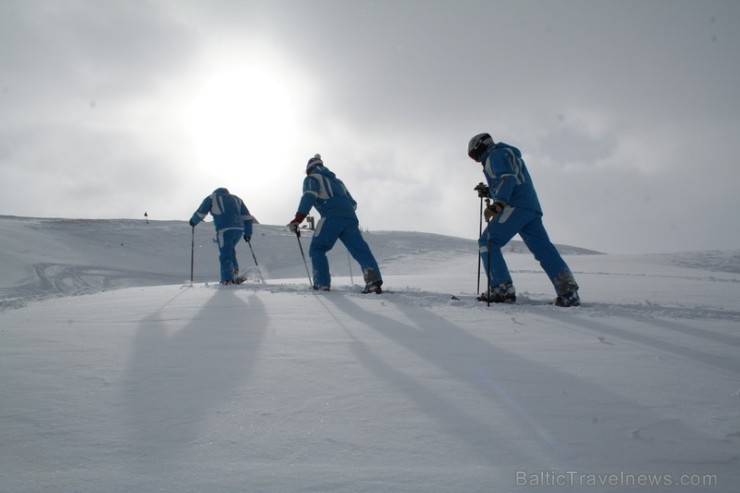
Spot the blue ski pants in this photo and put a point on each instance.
(328, 231)
(528, 224)
(227, 240)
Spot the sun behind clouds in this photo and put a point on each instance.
(241, 116)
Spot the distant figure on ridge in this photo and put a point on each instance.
(232, 221)
(322, 190)
(515, 209)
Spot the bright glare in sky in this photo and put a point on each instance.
(240, 117)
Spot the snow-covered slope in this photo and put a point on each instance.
(158, 385)
(46, 257)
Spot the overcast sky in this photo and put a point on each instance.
(627, 112)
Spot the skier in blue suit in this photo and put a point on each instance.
(515, 209)
(232, 221)
(324, 191)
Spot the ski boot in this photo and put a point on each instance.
(372, 282)
(316, 287)
(373, 287)
(503, 293)
(237, 278)
(566, 300)
(567, 289)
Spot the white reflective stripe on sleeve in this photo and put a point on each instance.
(488, 168)
(319, 225)
(501, 184)
(504, 215)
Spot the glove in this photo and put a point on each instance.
(191, 223)
(293, 225)
(482, 190)
(492, 210)
(247, 238)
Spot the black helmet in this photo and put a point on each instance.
(478, 145)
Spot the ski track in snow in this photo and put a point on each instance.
(53, 280)
(417, 297)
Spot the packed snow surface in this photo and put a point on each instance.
(117, 374)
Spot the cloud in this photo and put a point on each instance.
(622, 110)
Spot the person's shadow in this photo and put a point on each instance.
(538, 414)
(177, 379)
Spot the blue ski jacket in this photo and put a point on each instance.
(508, 178)
(228, 211)
(324, 191)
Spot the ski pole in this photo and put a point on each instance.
(192, 254)
(488, 251)
(249, 242)
(300, 245)
(480, 232)
(488, 261)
